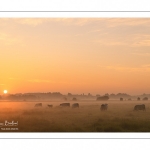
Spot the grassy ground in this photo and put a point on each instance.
(119, 117)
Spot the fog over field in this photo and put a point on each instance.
(119, 117)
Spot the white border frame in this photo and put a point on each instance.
(73, 135)
(92, 9)
(70, 14)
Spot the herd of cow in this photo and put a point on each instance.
(103, 107)
(75, 105)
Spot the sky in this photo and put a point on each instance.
(75, 55)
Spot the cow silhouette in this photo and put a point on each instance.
(139, 107)
(75, 105)
(38, 105)
(104, 107)
(121, 99)
(50, 106)
(65, 105)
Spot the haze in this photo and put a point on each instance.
(77, 55)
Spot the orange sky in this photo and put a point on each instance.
(77, 55)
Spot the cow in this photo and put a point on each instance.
(74, 99)
(38, 105)
(121, 99)
(104, 107)
(65, 104)
(139, 107)
(50, 106)
(138, 99)
(75, 105)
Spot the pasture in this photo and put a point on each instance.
(119, 117)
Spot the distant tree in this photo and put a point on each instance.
(107, 94)
(102, 98)
(57, 94)
(123, 95)
(97, 95)
(69, 94)
(112, 94)
(145, 98)
(65, 98)
(89, 94)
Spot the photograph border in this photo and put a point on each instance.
(74, 14)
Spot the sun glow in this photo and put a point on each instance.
(5, 91)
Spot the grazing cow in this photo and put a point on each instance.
(104, 107)
(74, 99)
(50, 106)
(65, 104)
(139, 107)
(38, 105)
(121, 99)
(138, 99)
(75, 105)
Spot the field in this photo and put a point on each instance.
(119, 117)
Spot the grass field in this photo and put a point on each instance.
(119, 117)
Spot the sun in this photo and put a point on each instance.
(5, 91)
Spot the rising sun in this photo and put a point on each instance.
(5, 91)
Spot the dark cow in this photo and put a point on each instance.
(74, 99)
(121, 99)
(75, 105)
(65, 104)
(138, 99)
(50, 106)
(139, 107)
(38, 105)
(104, 107)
